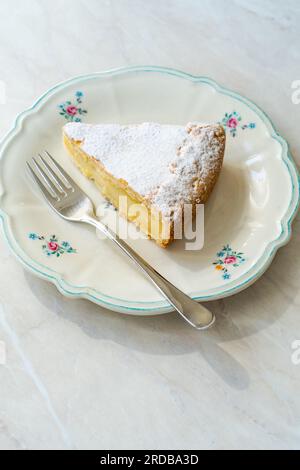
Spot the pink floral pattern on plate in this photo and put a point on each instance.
(228, 260)
(233, 122)
(51, 245)
(72, 111)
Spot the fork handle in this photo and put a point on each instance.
(194, 313)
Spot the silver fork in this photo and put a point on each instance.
(70, 202)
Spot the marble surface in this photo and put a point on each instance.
(78, 376)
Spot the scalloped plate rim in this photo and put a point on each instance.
(154, 307)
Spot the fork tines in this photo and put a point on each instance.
(51, 178)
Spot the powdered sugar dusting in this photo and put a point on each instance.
(160, 162)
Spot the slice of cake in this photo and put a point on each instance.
(159, 168)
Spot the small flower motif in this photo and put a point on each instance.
(228, 259)
(232, 121)
(72, 111)
(35, 236)
(51, 245)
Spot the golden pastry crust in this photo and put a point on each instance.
(203, 188)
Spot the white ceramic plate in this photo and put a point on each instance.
(247, 218)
